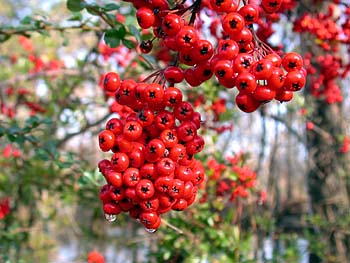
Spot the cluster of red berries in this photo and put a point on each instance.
(326, 27)
(233, 187)
(153, 169)
(237, 58)
(331, 32)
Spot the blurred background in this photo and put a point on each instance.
(277, 183)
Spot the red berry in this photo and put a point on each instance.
(111, 82)
(145, 189)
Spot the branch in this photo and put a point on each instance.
(82, 130)
(289, 128)
(28, 77)
(23, 30)
(178, 230)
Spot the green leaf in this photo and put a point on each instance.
(43, 32)
(76, 5)
(14, 129)
(31, 138)
(41, 154)
(128, 43)
(76, 17)
(111, 7)
(3, 37)
(33, 121)
(150, 59)
(2, 131)
(27, 20)
(135, 32)
(111, 38)
(47, 121)
(11, 137)
(94, 10)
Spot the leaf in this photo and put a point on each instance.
(14, 129)
(33, 121)
(27, 20)
(111, 7)
(128, 43)
(150, 59)
(135, 32)
(111, 38)
(43, 32)
(76, 17)
(47, 121)
(94, 10)
(76, 5)
(3, 37)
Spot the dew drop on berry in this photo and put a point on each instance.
(150, 230)
(110, 217)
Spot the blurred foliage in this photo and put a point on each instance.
(52, 110)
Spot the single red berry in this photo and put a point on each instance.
(183, 111)
(117, 193)
(150, 205)
(148, 171)
(111, 82)
(186, 38)
(144, 189)
(165, 167)
(169, 138)
(186, 131)
(264, 94)
(271, 6)
(136, 158)
(176, 189)
(106, 140)
(145, 17)
(164, 120)
(104, 193)
(154, 150)
(114, 178)
(173, 74)
(131, 177)
(120, 162)
(111, 208)
(246, 102)
(132, 130)
(115, 125)
(250, 13)
(163, 183)
(233, 23)
(246, 82)
(292, 61)
(171, 24)
(180, 205)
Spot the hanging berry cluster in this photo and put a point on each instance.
(153, 168)
(234, 55)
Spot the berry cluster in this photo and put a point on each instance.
(331, 33)
(153, 169)
(236, 57)
(233, 179)
(154, 140)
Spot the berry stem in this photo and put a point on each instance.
(178, 230)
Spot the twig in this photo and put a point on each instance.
(289, 127)
(178, 230)
(28, 77)
(82, 130)
(23, 30)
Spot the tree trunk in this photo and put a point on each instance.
(328, 173)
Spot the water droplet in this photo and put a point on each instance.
(110, 217)
(151, 230)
